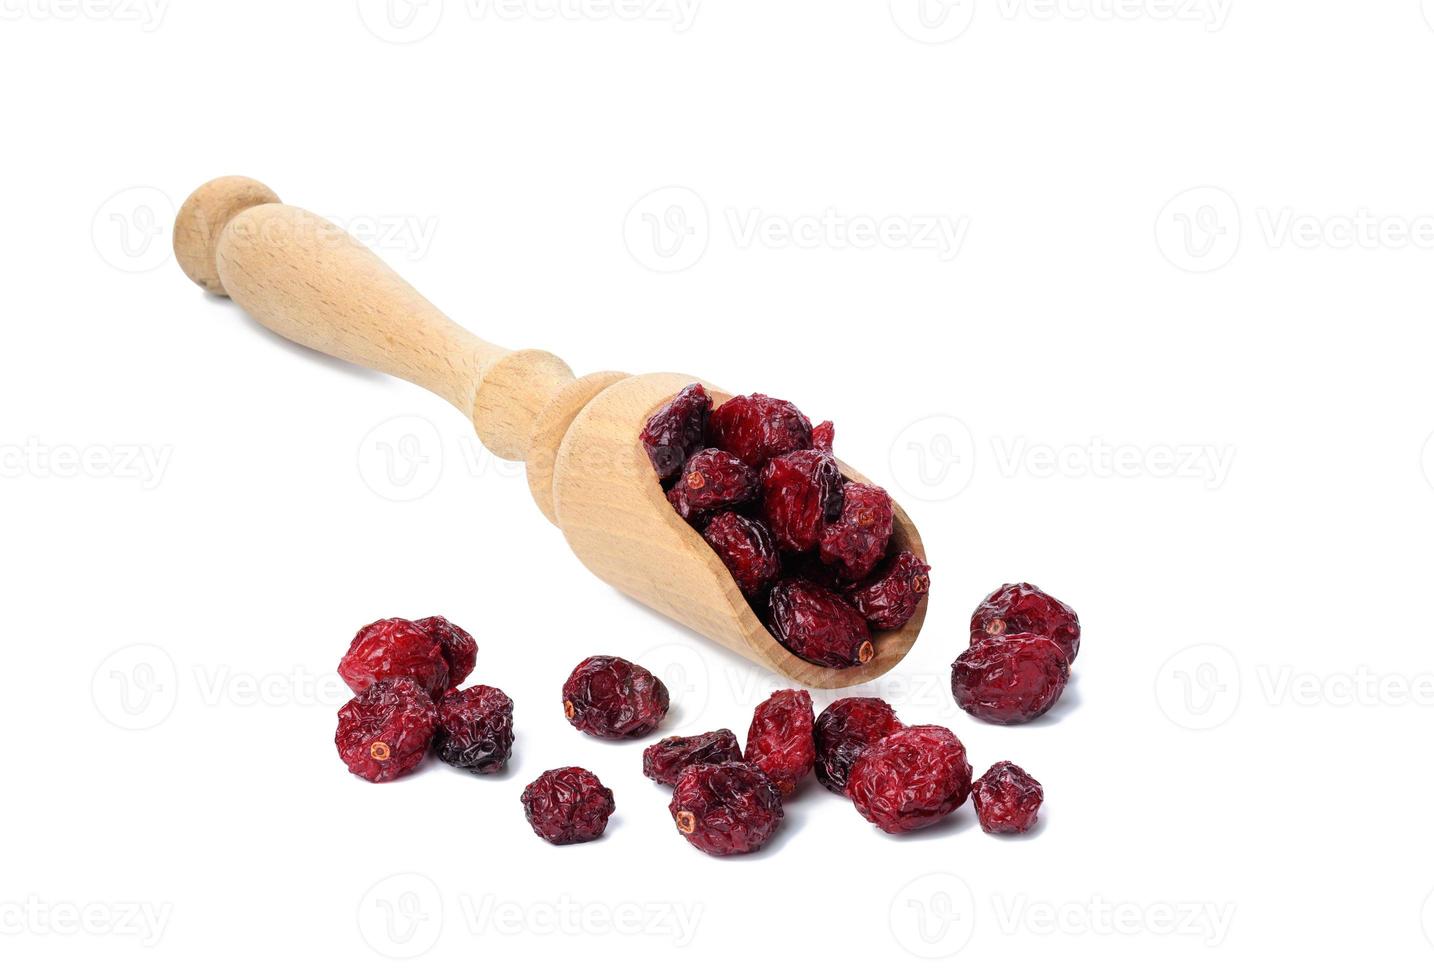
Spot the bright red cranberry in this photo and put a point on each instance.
(613, 698)
(1010, 679)
(890, 599)
(801, 493)
(568, 806)
(675, 431)
(726, 809)
(747, 549)
(712, 480)
(1023, 608)
(1007, 799)
(385, 731)
(780, 740)
(844, 731)
(475, 729)
(910, 779)
(664, 761)
(392, 648)
(856, 541)
(818, 625)
(823, 436)
(457, 645)
(757, 428)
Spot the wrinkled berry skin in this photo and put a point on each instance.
(801, 492)
(392, 648)
(385, 731)
(726, 809)
(890, 599)
(818, 625)
(457, 645)
(676, 430)
(475, 729)
(664, 761)
(1010, 679)
(747, 549)
(1023, 608)
(756, 428)
(823, 436)
(910, 779)
(781, 740)
(567, 806)
(1007, 799)
(612, 698)
(712, 480)
(856, 541)
(846, 729)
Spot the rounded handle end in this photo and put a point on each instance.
(202, 219)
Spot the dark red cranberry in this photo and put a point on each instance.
(385, 731)
(756, 428)
(818, 625)
(664, 761)
(844, 731)
(457, 645)
(1023, 608)
(392, 648)
(1010, 679)
(801, 493)
(612, 698)
(712, 480)
(780, 740)
(676, 430)
(856, 541)
(1007, 799)
(568, 806)
(747, 549)
(475, 729)
(823, 436)
(910, 779)
(890, 599)
(726, 809)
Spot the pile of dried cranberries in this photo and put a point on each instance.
(810, 549)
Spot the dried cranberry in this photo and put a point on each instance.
(823, 436)
(726, 809)
(392, 648)
(712, 480)
(844, 731)
(856, 541)
(801, 492)
(780, 740)
(385, 731)
(756, 428)
(910, 779)
(1023, 608)
(818, 625)
(567, 806)
(612, 698)
(889, 600)
(1007, 799)
(1010, 679)
(457, 645)
(676, 430)
(664, 761)
(747, 549)
(475, 729)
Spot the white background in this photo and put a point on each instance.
(1146, 323)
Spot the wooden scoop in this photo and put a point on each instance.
(308, 281)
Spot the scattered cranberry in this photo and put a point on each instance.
(664, 761)
(910, 779)
(676, 430)
(844, 731)
(818, 625)
(1010, 679)
(1007, 799)
(392, 648)
(457, 645)
(567, 806)
(612, 698)
(856, 541)
(823, 436)
(801, 493)
(385, 730)
(747, 549)
(889, 600)
(712, 480)
(780, 741)
(726, 809)
(475, 729)
(1023, 608)
(757, 428)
